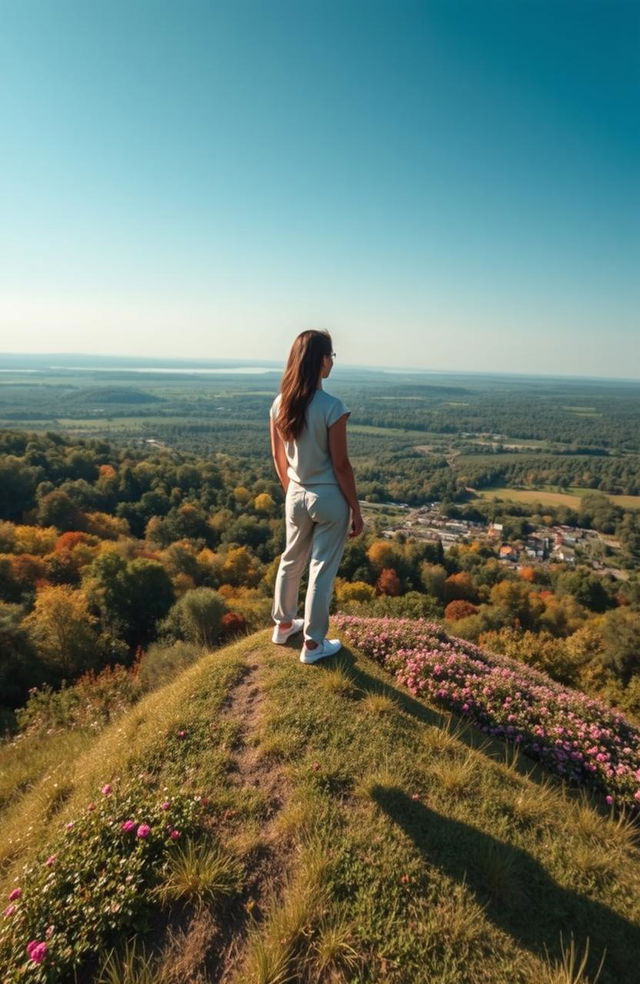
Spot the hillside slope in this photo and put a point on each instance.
(261, 821)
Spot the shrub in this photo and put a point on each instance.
(90, 703)
(162, 662)
(197, 616)
(94, 882)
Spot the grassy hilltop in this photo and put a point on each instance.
(257, 821)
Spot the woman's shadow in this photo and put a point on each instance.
(518, 895)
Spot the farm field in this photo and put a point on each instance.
(546, 497)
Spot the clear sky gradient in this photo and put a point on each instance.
(447, 185)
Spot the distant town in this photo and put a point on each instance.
(544, 544)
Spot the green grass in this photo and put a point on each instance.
(356, 835)
(546, 497)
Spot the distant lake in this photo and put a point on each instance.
(243, 370)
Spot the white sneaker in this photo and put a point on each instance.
(280, 636)
(328, 647)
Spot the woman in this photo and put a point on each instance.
(309, 446)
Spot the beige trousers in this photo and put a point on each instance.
(317, 521)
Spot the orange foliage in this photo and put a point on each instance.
(459, 587)
(459, 609)
(28, 569)
(67, 541)
(528, 574)
(389, 583)
(233, 624)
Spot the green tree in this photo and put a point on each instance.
(197, 616)
(20, 668)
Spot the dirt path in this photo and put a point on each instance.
(207, 950)
(250, 768)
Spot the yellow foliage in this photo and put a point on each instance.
(105, 526)
(353, 591)
(7, 536)
(382, 554)
(63, 627)
(264, 503)
(35, 539)
(239, 567)
(241, 494)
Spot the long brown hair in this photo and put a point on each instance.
(300, 380)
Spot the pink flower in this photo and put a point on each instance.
(15, 894)
(636, 795)
(9, 911)
(415, 796)
(182, 734)
(166, 805)
(69, 826)
(143, 830)
(128, 826)
(106, 790)
(51, 860)
(174, 835)
(37, 951)
(91, 807)
(609, 800)
(315, 766)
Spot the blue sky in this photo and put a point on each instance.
(447, 185)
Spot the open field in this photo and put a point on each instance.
(545, 497)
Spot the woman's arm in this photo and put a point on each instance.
(279, 456)
(344, 471)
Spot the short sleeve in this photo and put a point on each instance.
(336, 411)
(273, 412)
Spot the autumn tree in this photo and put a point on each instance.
(460, 587)
(389, 583)
(353, 591)
(382, 554)
(459, 609)
(63, 629)
(264, 503)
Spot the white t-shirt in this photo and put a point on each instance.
(308, 457)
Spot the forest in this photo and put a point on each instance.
(140, 516)
(122, 555)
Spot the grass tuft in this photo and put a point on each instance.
(333, 951)
(572, 967)
(377, 703)
(455, 775)
(201, 874)
(133, 966)
(338, 681)
(535, 804)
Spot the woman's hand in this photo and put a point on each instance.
(357, 524)
(279, 456)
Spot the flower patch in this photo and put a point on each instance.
(579, 738)
(93, 881)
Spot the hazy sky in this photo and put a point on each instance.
(449, 185)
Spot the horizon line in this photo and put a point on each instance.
(277, 366)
